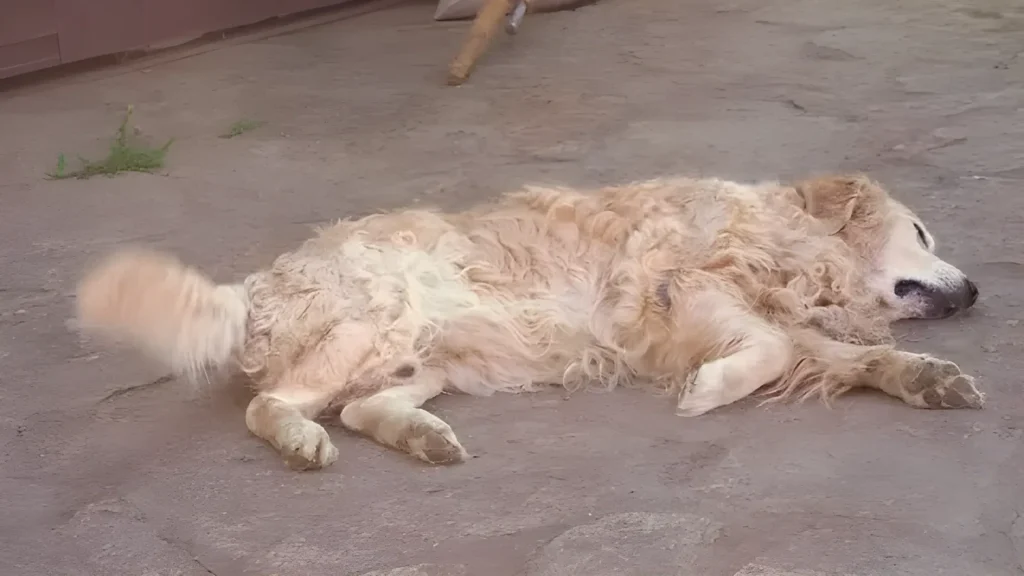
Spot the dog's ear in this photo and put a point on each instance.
(833, 200)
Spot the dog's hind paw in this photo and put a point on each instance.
(305, 445)
(940, 384)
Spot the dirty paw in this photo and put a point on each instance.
(702, 391)
(305, 445)
(432, 441)
(940, 384)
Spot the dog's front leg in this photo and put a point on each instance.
(282, 418)
(918, 379)
(759, 355)
(394, 418)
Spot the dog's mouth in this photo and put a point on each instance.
(936, 303)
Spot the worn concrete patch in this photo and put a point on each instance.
(1017, 536)
(115, 537)
(627, 544)
(418, 570)
(758, 570)
(870, 549)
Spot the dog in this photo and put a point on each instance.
(707, 288)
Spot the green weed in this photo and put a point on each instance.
(241, 127)
(124, 156)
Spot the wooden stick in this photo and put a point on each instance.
(485, 25)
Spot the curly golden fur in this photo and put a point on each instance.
(708, 288)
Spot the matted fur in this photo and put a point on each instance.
(673, 283)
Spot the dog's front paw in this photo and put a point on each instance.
(305, 445)
(432, 440)
(940, 384)
(702, 391)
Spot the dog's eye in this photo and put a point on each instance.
(920, 235)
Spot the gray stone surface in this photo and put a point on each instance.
(926, 95)
(627, 544)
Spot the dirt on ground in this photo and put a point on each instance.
(109, 470)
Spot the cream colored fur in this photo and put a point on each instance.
(708, 288)
(170, 310)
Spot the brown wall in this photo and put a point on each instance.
(28, 36)
(36, 34)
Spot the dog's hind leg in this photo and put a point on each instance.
(394, 418)
(756, 354)
(282, 417)
(283, 411)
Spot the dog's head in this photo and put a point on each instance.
(896, 248)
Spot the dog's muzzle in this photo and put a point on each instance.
(939, 302)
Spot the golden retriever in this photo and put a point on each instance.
(707, 288)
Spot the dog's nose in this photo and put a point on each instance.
(906, 288)
(972, 294)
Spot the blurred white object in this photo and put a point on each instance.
(515, 19)
(461, 9)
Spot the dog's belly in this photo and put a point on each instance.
(531, 343)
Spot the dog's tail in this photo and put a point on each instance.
(168, 310)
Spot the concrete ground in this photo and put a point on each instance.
(926, 95)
